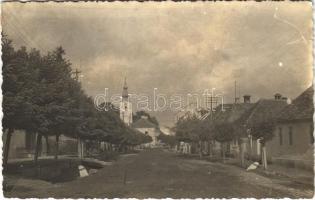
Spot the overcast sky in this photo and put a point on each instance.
(175, 47)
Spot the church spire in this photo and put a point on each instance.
(125, 90)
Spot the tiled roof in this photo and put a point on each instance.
(245, 114)
(301, 108)
(265, 110)
(143, 123)
(218, 110)
(233, 113)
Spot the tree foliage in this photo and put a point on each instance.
(167, 139)
(40, 95)
(141, 113)
(263, 130)
(224, 132)
(193, 129)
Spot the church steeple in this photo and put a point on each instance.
(125, 90)
(125, 106)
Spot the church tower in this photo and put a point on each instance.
(125, 106)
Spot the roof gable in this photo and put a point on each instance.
(266, 110)
(301, 108)
(234, 113)
(143, 123)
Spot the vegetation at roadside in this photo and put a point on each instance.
(42, 95)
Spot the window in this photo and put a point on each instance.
(280, 136)
(290, 136)
(311, 134)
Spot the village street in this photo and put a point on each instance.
(159, 173)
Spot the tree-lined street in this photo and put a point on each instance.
(159, 173)
(157, 100)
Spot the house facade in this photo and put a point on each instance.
(23, 145)
(264, 111)
(293, 140)
(234, 114)
(146, 127)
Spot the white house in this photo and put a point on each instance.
(146, 127)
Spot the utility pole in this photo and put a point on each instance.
(235, 92)
(212, 100)
(239, 92)
(236, 96)
(76, 74)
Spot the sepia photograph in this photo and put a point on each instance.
(157, 99)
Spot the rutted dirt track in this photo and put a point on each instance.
(158, 173)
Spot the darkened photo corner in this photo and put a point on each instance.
(157, 100)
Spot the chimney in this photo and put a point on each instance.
(246, 98)
(278, 96)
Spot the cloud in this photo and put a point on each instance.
(176, 47)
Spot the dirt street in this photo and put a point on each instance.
(158, 173)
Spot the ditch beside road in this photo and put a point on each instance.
(158, 173)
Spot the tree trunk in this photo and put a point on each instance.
(57, 147)
(189, 148)
(242, 151)
(79, 148)
(251, 148)
(125, 148)
(228, 147)
(206, 147)
(38, 147)
(177, 147)
(200, 149)
(264, 156)
(82, 148)
(210, 148)
(47, 145)
(7, 148)
(242, 157)
(223, 151)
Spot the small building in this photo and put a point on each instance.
(293, 140)
(148, 128)
(167, 130)
(264, 111)
(234, 114)
(23, 144)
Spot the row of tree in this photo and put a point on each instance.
(41, 95)
(141, 113)
(195, 131)
(169, 140)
